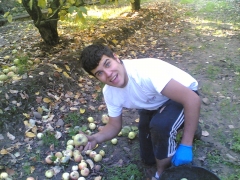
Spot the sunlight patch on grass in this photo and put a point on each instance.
(107, 13)
(186, 1)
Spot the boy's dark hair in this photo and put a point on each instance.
(91, 56)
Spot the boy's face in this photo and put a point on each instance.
(111, 72)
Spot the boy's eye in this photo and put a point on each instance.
(107, 64)
(99, 73)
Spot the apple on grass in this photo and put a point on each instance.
(80, 140)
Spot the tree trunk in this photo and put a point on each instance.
(47, 27)
(136, 5)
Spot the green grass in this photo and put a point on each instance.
(186, 1)
(236, 141)
(212, 71)
(75, 119)
(128, 172)
(49, 139)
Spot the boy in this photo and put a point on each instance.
(166, 97)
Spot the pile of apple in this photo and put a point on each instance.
(83, 166)
(84, 161)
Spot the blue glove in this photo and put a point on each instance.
(183, 155)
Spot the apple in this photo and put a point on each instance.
(105, 118)
(70, 142)
(65, 159)
(85, 171)
(90, 119)
(30, 178)
(88, 151)
(74, 175)
(102, 152)
(82, 164)
(82, 178)
(59, 155)
(114, 141)
(74, 167)
(80, 140)
(77, 157)
(76, 151)
(3, 175)
(48, 159)
(92, 126)
(49, 173)
(40, 135)
(98, 178)
(67, 152)
(92, 154)
(65, 176)
(70, 147)
(97, 157)
(131, 135)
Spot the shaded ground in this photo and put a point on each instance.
(203, 47)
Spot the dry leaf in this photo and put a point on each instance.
(10, 136)
(24, 95)
(3, 151)
(32, 169)
(137, 120)
(66, 74)
(67, 67)
(46, 100)
(13, 91)
(58, 134)
(30, 134)
(39, 110)
(26, 115)
(205, 133)
(73, 108)
(82, 110)
(39, 99)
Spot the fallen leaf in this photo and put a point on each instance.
(26, 115)
(73, 108)
(67, 67)
(205, 133)
(66, 74)
(32, 169)
(58, 135)
(3, 151)
(82, 110)
(13, 91)
(10, 136)
(47, 100)
(30, 134)
(39, 99)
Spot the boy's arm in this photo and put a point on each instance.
(191, 103)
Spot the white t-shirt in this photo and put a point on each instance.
(146, 79)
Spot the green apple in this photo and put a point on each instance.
(131, 135)
(92, 126)
(80, 140)
(90, 119)
(114, 141)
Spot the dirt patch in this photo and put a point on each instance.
(205, 49)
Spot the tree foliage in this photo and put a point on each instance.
(46, 13)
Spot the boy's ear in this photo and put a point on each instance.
(115, 56)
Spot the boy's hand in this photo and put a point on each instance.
(92, 143)
(183, 155)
